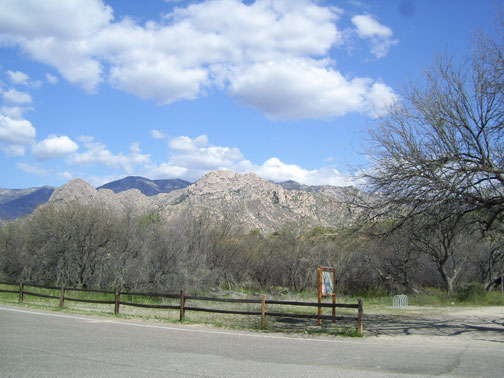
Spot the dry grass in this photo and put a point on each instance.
(231, 321)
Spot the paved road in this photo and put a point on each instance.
(47, 344)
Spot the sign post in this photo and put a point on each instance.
(326, 279)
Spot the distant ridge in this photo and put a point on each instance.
(15, 203)
(247, 200)
(146, 186)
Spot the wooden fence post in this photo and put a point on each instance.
(263, 311)
(334, 308)
(21, 289)
(117, 297)
(182, 304)
(62, 296)
(319, 297)
(360, 326)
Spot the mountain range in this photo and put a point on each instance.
(15, 203)
(246, 199)
(146, 186)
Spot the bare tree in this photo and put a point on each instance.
(443, 144)
(447, 243)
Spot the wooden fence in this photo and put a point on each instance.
(184, 306)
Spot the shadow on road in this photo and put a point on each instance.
(485, 326)
(474, 327)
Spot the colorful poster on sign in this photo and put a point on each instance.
(327, 283)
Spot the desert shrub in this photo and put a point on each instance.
(469, 291)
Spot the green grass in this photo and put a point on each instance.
(469, 295)
(229, 321)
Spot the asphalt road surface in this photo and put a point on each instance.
(36, 343)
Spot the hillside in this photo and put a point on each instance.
(146, 186)
(15, 203)
(246, 199)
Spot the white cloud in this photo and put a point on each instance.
(85, 138)
(33, 169)
(169, 170)
(195, 157)
(190, 159)
(53, 18)
(13, 96)
(71, 58)
(16, 131)
(208, 158)
(65, 175)
(163, 81)
(57, 33)
(378, 100)
(15, 112)
(51, 79)
(156, 134)
(54, 147)
(13, 150)
(186, 144)
(97, 181)
(304, 89)
(379, 35)
(98, 154)
(18, 77)
(368, 27)
(215, 43)
(275, 170)
(37, 170)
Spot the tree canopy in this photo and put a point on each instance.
(441, 148)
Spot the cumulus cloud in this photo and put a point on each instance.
(57, 33)
(304, 89)
(169, 170)
(98, 154)
(378, 99)
(18, 77)
(15, 112)
(215, 43)
(54, 147)
(275, 170)
(380, 36)
(13, 96)
(156, 134)
(16, 131)
(186, 144)
(193, 157)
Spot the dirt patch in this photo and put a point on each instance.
(477, 323)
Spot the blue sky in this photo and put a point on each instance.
(172, 89)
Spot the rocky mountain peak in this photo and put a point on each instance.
(229, 185)
(247, 199)
(75, 189)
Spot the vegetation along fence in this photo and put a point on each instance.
(185, 305)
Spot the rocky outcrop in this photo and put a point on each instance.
(245, 199)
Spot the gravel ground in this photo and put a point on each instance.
(475, 323)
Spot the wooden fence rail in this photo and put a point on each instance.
(183, 300)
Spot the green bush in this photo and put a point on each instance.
(471, 291)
